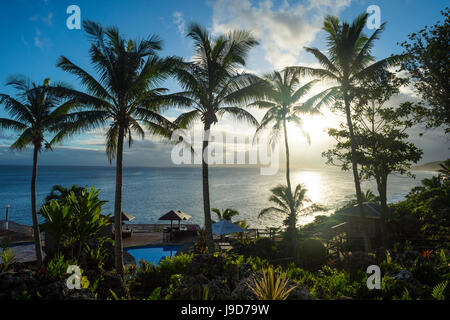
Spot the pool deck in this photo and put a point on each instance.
(152, 238)
(26, 252)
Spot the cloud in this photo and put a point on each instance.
(40, 40)
(48, 19)
(179, 22)
(283, 30)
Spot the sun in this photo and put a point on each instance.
(315, 126)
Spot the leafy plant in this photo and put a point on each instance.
(271, 286)
(438, 290)
(57, 267)
(7, 257)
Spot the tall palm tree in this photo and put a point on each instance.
(35, 111)
(282, 101)
(124, 95)
(214, 86)
(348, 64)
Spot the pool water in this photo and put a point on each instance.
(152, 253)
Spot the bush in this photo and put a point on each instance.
(57, 268)
(312, 254)
(149, 276)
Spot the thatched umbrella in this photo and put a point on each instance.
(175, 215)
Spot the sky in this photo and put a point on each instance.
(35, 35)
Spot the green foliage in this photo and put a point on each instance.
(74, 220)
(165, 275)
(312, 254)
(438, 291)
(200, 246)
(424, 213)
(57, 267)
(333, 284)
(427, 65)
(7, 257)
(96, 256)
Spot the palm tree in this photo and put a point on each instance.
(34, 112)
(368, 196)
(214, 87)
(282, 101)
(225, 214)
(290, 207)
(348, 64)
(445, 168)
(124, 95)
(59, 192)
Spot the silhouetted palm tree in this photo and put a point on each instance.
(282, 101)
(60, 192)
(124, 95)
(368, 196)
(214, 86)
(348, 64)
(34, 112)
(225, 214)
(290, 207)
(445, 168)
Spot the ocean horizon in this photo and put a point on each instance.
(149, 192)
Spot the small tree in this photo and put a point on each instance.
(429, 55)
(382, 141)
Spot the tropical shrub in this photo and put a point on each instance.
(150, 276)
(312, 254)
(57, 267)
(7, 257)
(271, 285)
(74, 220)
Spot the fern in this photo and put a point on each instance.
(438, 290)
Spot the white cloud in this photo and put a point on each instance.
(283, 30)
(179, 22)
(48, 19)
(37, 39)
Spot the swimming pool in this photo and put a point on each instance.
(152, 253)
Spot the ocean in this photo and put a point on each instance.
(148, 193)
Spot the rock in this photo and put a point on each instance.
(407, 279)
(54, 291)
(299, 293)
(242, 291)
(404, 275)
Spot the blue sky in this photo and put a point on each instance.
(34, 34)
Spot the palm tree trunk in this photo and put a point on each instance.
(36, 231)
(118, 246)
(293, 227)
(355, 173)
(382, 191)
(286, 145)
(206, 202)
